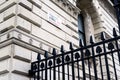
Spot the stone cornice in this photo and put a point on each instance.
(83, 4)
(67, 7)
(16, 36)
(16, 41)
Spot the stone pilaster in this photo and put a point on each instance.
(89, 29)
(88, 24)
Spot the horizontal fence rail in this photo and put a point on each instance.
(98, 61)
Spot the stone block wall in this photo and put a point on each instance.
(29, 27)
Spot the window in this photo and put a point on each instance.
(81, 27)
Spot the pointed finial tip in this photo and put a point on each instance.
(38, 57)
(54, 52)
(62, 48)
(71, 46)
(81, 43)
(114, 32)
(46, 54)
(103, 36)
(91, 39)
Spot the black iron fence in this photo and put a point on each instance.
(98, 61)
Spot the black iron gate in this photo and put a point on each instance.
(98, 61)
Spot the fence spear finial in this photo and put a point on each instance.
(38, 57)
(81, 43)
(46, 54)
(103, 36)
(62, 49)
(54, 52)
(114, 32)
(91, 40)
(71, 46)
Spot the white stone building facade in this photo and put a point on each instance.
(29, 27)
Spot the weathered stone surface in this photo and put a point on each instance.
(23, 24)
(4, 66)
(8, 24)
(26, 4)
(7, 5)
(36, 3)
(22, 53)
(47, 36)
(5, 52)
(39, 12)
(1, 17)
(4, 77)
(53, 29)
(20, 67)
(2, 1)
(19, 77)
(26, 14)
(10, 12)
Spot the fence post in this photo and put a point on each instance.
(93, 54)
(99, 50)
(111, 47)
(54, 68)
(87, 54)
(63, 67)
(116, 43)
(106, 61)
(46, 56)
(82, 57)
(72, 59)
(38, 73)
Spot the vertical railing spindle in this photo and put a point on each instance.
(67, 59)
(99, 50)
(94, 61)
(63, 66)
(38, 73)
(72, 59)
(87, 54)
(82, 57)
(54, 68)
(116, 43)
(58, 62)
(106, 61)
(50, 64)
(111, 47)
(77, 56)
(46, 56)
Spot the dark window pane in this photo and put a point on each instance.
(80, 23)
(81, 27)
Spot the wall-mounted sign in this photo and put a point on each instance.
(54, 19)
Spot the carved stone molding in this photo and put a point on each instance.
(30, 41)
(82, 4)
(67, 7)
(8, 35)
(20, 36)
(24, 39)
